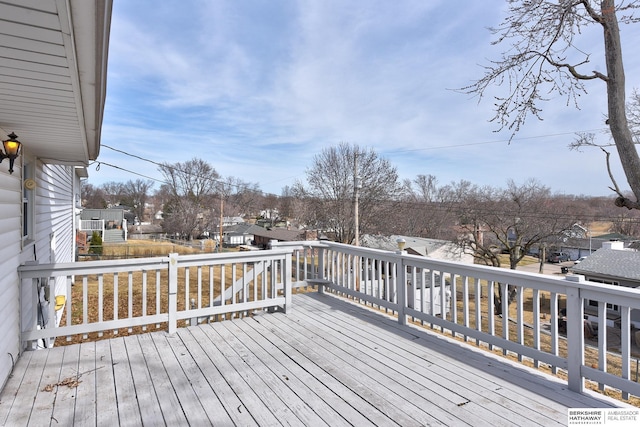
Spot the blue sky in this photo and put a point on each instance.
(257, 88)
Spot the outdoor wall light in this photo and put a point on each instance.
(11, 150)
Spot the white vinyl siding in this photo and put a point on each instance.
(54, 213)
(54, 218)
(51, 240)
(10, 247)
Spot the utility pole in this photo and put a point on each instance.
(356, 196)
(221, 220)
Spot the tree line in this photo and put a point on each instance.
(193, 197)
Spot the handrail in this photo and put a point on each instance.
(462, 300)
(443, 295)
(142, 292)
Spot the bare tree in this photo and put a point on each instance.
(541, 37)
(626, 224)
(240, 197)
(135, 195)
(194, 178)
(112, 192)
(92, 197)
(330, 187)
(192, 186)
(513, 220)
(425, 209)
(182, 217)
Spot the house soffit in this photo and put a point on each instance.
(53, 57)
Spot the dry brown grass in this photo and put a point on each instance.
(597, 228)
(140, 294)
(149, 248)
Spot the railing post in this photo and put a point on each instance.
(320, 273)
(173, 293)
(401, 288)
(286, 275)
(575, 339)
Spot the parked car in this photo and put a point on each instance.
(579, 260)
(558, 257)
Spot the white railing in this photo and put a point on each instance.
(102, 296)
(92, 225)
(460, 299)
(454, 298)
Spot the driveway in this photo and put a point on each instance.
(547, 267)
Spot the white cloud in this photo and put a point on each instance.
(258, 88)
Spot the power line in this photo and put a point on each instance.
(126, 170)
(172, 167)
(492, 142)
(457, 210)
(239, 186)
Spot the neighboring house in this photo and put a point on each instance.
(240, 234)
(614, 265)
(577, 245)
(112, 223)
(53, 78)
(228, 221)
(145, 231)
(432, 248)
(263, 237)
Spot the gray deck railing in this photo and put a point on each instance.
(460, 299)
(101, 296)
(455, 298)
(92, 225)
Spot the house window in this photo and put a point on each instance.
(28, 195)
(592, 303)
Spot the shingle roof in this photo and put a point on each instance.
(418, 245)
(614, 263)
(280, 234)
(240, 229)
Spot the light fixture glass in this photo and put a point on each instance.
(11, 150)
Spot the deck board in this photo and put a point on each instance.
(280, 381)
(85, 405)
(28, 399)
(330, 407)
(150, 411)
(326, 362)
(221, 400)
(106, 405)
(197, 377)
(327, 387)
(11, 389)
(65, 402)
(396, 401)
(439, 374)
(407, 368)
(129, 413)
(250, 402)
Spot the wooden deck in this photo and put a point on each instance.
(328, 362)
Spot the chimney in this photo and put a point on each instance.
(613, 244)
